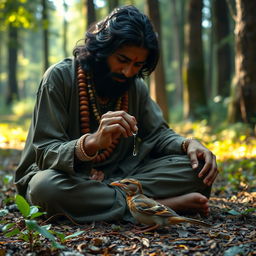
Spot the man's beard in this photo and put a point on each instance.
(105, 85)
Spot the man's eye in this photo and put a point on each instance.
(138, 65)
(122, 60)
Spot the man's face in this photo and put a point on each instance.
(113, 78)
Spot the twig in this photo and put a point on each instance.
(68, 217)
(232, 12)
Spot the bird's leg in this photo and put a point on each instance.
(138, 231)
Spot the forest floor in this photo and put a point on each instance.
(233, 219)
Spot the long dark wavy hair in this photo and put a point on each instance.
(124, 26)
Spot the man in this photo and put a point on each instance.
(91, 113)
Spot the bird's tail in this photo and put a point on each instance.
(179, 219)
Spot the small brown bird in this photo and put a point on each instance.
(148, 211)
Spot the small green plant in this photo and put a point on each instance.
(28, 228)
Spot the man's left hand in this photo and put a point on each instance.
(196, 151)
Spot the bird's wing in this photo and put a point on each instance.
(149, 206)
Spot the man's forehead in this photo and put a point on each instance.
(133, 53)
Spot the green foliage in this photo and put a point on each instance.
(234, 146)
(239, 173)
(23, 107)
(29, 230)
(17, 13)
(243, 213)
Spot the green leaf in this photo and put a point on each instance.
(74, 234)
(37, 214)
(12, 233)
(7, 179)
(33, 225)
(47, 227)
(233, 212)
(7, 226)
(3, 212)
(24, 236)
(60, 235)
(249, 210)
(22, 205)
(33, 209)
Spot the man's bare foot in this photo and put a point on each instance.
(190, 203)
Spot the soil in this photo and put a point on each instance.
(233, 219)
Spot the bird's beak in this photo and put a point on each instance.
(116, 183)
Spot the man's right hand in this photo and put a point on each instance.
(113, 125)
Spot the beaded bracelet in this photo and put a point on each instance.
(79, 149)
(185, 143)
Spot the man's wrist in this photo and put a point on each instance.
(185, 143)
(80, 150)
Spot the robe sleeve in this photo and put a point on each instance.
(51, 142)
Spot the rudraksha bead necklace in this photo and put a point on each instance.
(87, 98)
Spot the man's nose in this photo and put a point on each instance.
(128, 71)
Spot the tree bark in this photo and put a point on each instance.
(195, 106)
(222, 32)
(65, 30)
(157, 79)
(177, 45)
(45, 21)
(112, 4)
(12, 88)
(243, 107)
(1, 63)
(90, 11)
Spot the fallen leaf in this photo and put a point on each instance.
(235, 250)
(145, 241)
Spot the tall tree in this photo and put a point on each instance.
(222, 34)
(1, 61)
(112, 4)
(157, 79)
(177, 47)
(242, 106)
(12, 89)
(90, 12)
(45, 22)
(65, 29)
(195, 106)
(14, 15)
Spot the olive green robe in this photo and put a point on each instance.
(49, 174)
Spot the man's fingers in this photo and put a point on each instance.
(193, 159)
(209, 170)
(122, 118)
(197, 151)
(211, 176)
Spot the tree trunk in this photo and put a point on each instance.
(195, 106)
(45, 34)
(1, 62)
(157, 79)
(90, 11)
(12, 88)
(222, 32)
(243, 107)
(210, 67)
(65, 30)
(112, 4)
(177, 51)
